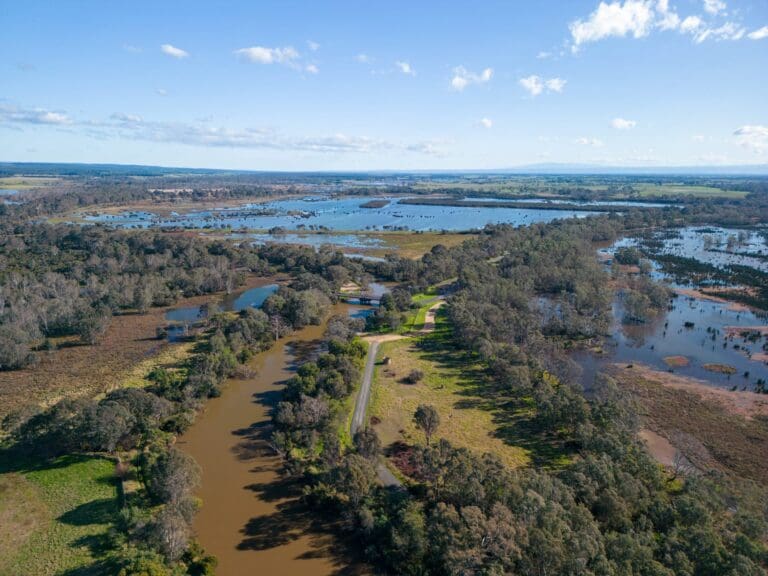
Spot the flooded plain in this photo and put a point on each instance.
(180, 319)
(718, 342)
(340, 213)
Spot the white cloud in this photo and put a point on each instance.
(405, 68)
(363, 58)
(161, 92)
(698, 138)
(202, 133)
(728, 31)
(463, 77)
(632, 17)
(262, 55)
(312, 69)
(129, 118)
(17, 115)
(486, 122)
(543, 55)
(314, 46)
(758, 34)
(638, 18)
(173, 51)
(753, 137)
(623, 124)
(593, 142)
(535, 85)
(714, 6)
(132, 48)
(690, 24)
(555, 84)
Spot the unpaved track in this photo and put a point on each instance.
(364, 396)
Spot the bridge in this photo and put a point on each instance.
(363, 297)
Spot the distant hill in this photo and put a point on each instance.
(77, 169)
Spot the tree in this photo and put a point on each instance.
(172, 476)
(170, 533)
(367, 443)
(427, 419)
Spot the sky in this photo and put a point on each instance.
(351, 85)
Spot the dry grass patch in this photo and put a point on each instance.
(720, 368)
(412, 245)
(84, 371)
(704, 429)
(21, 513)
(450, 389)
(676, 361)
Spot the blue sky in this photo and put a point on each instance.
(356, 85)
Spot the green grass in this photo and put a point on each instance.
(56, 515)
(452, 383)
(651, 190)
(415, 318)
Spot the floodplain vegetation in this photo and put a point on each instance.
(502, 464)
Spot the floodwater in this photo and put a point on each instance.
(338, 213)
(251, 518)
(720, 247)
(183, 316)
(700, 330)
(697, 330)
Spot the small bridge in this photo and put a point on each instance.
(362, 297)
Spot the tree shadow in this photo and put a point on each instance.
(513, 413)
(94, 512)
(254, 441)
(18, 459)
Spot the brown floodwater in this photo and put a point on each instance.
(251, 518)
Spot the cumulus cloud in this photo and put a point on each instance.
(632, 17)
(18, 115)
(463, 77)
(623, 124)
(759, 34)
(593, 142)
(753, 137)
(639, 18)
(486, 122)
(535, 85)
(314, 46)
(312, 69)
(173, 51)
(405, 68)
(714, 6)
(161, 92)
(264, 55)
(363, 58)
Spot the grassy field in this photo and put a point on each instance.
(25, 182)
(413, 245)
(54, 518)
(651, 190)
(450, 384)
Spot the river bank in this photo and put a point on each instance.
(251, 518)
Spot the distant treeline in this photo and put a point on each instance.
(543, 205)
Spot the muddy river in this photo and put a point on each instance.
(251, 519)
